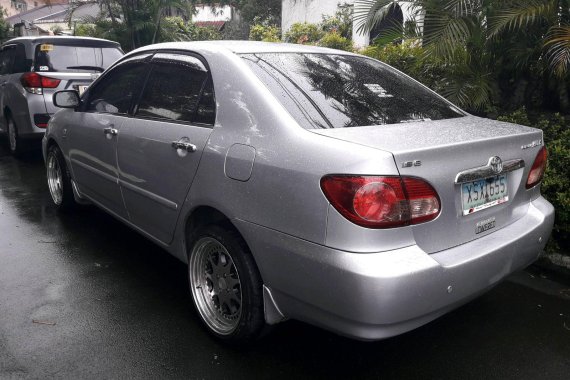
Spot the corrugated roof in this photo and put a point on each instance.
(218, 25)
(55, 13)
(36, 13)
(80, 14)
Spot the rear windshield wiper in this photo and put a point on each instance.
(96, 68)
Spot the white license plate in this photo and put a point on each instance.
(484, 193)
(81, 89)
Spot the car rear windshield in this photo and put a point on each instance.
(66, 58)
(339, 91)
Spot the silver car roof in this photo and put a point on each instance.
(64, 38)
(240, 47)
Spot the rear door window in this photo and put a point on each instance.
(66, 58)
(179, 89)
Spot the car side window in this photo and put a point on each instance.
(7, 59)
(179, 88)
(116, 91)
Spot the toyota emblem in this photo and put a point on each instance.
(496, 164)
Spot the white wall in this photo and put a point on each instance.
(207, 13)
(306, 11)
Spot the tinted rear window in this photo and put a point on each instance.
(337, 91)
(66, 58)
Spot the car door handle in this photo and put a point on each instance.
(189, 147)
(109, 131)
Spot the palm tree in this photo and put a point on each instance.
(477, 41)
(551, 16)
(454, 32)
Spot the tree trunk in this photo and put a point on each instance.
(111, 15)
(157, 22)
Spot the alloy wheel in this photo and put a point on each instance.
(12, 135)
(55, 178)
(215, 285)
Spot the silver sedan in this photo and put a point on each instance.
(302, 182)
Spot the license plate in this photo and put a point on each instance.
(81, 89)
(484, 193)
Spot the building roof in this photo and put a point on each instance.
(55, 13)
(36, 13)
(218, 25)
(80, 13)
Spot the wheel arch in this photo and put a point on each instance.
(51, 142)
(202, 216)
(6, 111)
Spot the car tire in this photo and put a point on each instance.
(226, 285)
(15, 143)
(59, 180)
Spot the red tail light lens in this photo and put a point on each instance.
(36, 81)
(381, 202)
(538, 168)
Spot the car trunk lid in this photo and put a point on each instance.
(438, 151)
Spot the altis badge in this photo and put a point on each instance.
(532, 144)
(485, 225)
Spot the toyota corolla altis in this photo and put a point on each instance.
(302, 182)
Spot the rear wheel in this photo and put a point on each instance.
(59, 181)
(15, 142)
(226, 285)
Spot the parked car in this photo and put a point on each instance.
(32, 69)
(302, 182)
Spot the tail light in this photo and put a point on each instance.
(35, 83)
(538, 168)
(382, 202)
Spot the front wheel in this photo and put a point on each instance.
(59, 181)
(226, 285)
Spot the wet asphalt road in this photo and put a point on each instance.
(82, 296)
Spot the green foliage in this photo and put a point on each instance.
(340, 22)
(304, 33)
(202, 33)
(409, 58)
(334, 40)
(101, 28)
(556, 184)
(235, 30)
(5, 29)
(334, 31)
(57, 30)
(267, 33)
(494, 51)
(176, 29)
(266, 11)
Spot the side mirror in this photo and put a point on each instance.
(66, 99)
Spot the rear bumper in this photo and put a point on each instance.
(23, 114)
(378, 295)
